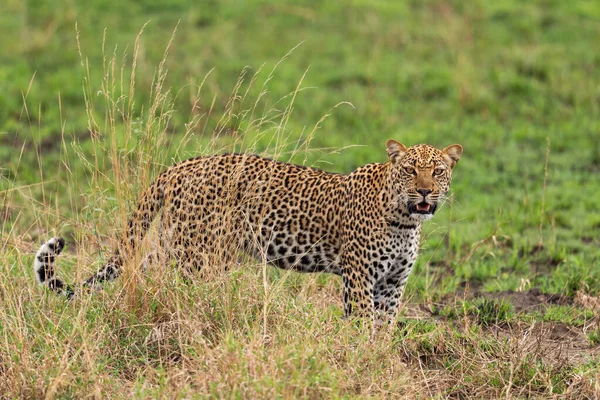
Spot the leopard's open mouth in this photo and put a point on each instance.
(422, 208)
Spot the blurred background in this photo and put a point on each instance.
(516, 83)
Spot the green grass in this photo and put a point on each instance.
(485, 311)
(91, 110)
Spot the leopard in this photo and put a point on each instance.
(364, 226)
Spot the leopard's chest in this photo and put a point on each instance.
(398, 252)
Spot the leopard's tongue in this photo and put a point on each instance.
(423, 207)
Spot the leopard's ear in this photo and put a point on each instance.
(395, 150)
(452, 154)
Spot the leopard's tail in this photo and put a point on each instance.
(44, 265)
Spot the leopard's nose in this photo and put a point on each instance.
(424, 192)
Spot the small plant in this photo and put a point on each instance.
(487, 311)
(594, 337)
(492, 312)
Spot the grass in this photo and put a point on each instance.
(503, 300)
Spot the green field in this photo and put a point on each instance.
(97, 97)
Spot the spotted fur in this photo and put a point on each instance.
(364, 226)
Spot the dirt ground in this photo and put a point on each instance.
(557, 343)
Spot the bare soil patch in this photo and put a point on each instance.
(556, 343)
(526, 301)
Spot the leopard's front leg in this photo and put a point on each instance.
(360, 272)
(358, 281)
(387, 298)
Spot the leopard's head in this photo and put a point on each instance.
(421, 175)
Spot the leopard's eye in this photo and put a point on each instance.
(410, 170)
(438, 171)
